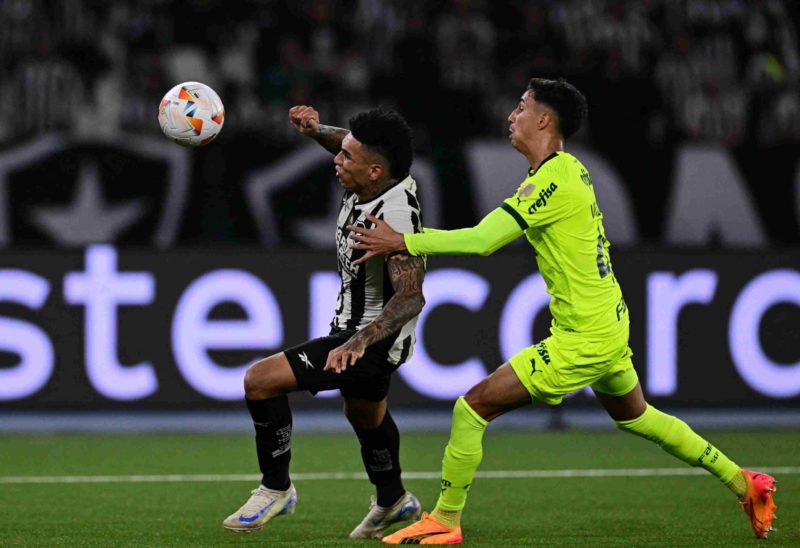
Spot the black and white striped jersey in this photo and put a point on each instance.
(366, 288)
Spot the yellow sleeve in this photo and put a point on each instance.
(494, 231)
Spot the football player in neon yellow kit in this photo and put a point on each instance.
(555, 208)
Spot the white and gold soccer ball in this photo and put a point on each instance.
(191, 114)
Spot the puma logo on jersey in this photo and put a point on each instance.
(524, 191)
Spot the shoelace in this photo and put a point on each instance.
(374, 509)
(258, 499)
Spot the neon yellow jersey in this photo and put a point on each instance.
(557, 209)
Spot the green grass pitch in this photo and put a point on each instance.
(668, 511)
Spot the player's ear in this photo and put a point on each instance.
(375, 172)
(545, 119)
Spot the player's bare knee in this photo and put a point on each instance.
(364, 421)
(478, 400)
(473, 397)
(260, 380)
(253, 382)
(365, 417)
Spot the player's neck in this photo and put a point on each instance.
(376, 189)
(539, 152)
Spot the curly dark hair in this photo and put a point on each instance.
(388, 134)
(568, 103)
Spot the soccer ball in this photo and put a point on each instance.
(191, 114)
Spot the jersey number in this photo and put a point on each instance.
(603, 261)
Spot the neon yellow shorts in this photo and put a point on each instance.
(564, 363)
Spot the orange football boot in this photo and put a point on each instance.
(757, 502)
(425, 531)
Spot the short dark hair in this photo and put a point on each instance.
(388, 134)
(568, 103)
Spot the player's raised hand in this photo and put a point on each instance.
(305, 119)
(379, 240)
(347, 354)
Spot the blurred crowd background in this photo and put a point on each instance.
(659, 74)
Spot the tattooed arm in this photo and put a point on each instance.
(306, 120)
(330, 137)
(406, 274)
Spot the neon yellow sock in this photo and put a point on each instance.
(448, 518)
(676, 438)
(462, 456)
(738, 485)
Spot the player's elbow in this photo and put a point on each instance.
(413, 303)
(417, 303)
(483, 246)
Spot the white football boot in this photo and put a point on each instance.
(378, 519)
(263, 505)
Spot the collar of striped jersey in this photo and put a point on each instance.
(385, 190)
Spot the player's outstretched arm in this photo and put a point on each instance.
(406, 274)
(306, 120)
(494, 231)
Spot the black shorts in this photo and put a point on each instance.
(368, 379)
